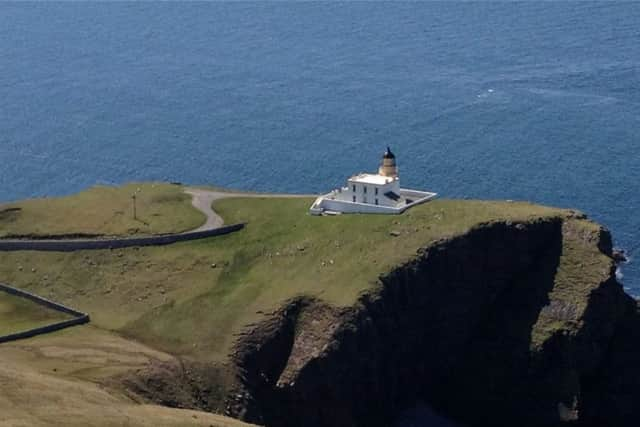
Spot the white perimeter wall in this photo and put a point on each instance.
(346, 206)
(350, 207)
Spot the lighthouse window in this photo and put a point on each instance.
(364, 189)
(354, 199)
(354, 188)
(376, 192)
(376, 199)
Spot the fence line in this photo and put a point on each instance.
(79, 319)
(71, 245)
(44, 329)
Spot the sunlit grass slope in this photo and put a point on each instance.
(54, 380)
(161, 208)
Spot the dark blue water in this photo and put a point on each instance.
(535, 101)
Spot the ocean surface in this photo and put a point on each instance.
(530, 101)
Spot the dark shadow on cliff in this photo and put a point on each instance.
(423, 416)
(492, 383)
(582, 368)
(609, 357)
(451, 328)
(469, 327)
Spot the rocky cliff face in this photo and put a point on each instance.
(612, 394)
(510, 324)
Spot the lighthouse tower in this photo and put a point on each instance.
(388, 166)
(378, 193)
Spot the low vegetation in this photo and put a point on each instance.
(19, 314)
(52, 381)
(160, 208)
(191, 298)
(582, 267)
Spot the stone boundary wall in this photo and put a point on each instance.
(113, 243)
(79, 319)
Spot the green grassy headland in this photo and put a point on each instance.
(161, 208)
(190, 298)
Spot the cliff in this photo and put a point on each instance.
(509, 324)
(492, 313)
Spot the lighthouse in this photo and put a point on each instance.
(371, 193)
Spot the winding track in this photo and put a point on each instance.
(202, 200)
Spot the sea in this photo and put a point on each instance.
(536, 101)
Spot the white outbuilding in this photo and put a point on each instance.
(371, 193)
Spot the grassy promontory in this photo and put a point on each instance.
(193, 299)
(164, 295)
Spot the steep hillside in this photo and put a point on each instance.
(193, 298)
(493, 313)
(59, 380)
(504, 325)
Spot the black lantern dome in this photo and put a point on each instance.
(388, 154)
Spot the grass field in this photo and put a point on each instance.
(190, 298)
(151, 304)
(20, 314)
(161, 208)
(53, 381)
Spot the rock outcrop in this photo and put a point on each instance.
(509, 324)
(489, 328)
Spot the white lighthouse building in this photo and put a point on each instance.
(372, 193)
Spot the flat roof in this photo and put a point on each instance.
(370, 178)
